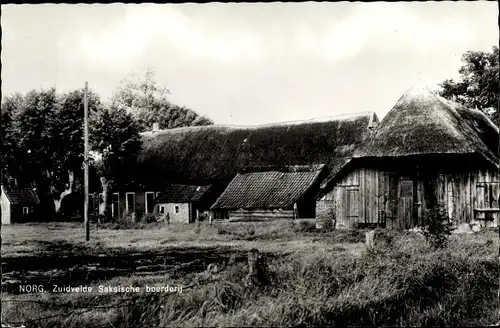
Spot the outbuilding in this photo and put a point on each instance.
(428, 153)
(182, 203)
(18, 206)
(265, 193)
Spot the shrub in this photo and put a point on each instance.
(437, 227)
(150, 218)
(306, 226)
(197, 228)
(222, 231)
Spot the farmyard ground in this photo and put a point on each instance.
(157, 276)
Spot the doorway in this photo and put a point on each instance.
(406, 202)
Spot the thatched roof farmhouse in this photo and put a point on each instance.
(214, 154)
(427, 153)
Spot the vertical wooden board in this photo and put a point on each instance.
(449, 194)
(405, 213)
(355, 177)
(441, 190)
(362, 195)
(495, 195)
(455, 199)
(376, 205)
(482, 176)
(382, 197)
(349, 181)
(473, 194)
(420, 201)
(480, 196)
(465, 198)
(487, 176)
(373, 197)
(392, 201)
(340, 205)
(368, 192)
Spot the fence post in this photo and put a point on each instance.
(369, 238)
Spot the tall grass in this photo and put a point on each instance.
(403, 281)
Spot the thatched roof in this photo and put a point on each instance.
(269, 187)
(422, 122)
(211, 154)
(176, 193)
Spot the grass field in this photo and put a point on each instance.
(314, 278)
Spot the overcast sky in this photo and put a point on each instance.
(248, 63)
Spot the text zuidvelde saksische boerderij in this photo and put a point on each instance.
(100, 289)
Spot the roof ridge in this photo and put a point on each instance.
(318, 119)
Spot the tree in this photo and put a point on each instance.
(115, 141)
(147, 102)
(10, 106)
(44, 141)
(68, 148)
(478, 86)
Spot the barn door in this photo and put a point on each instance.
(405, 203)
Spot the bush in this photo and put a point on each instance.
(222, 231)
(437, 227)
(197, 228)
(306, 226)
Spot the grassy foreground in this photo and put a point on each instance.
(314, 279)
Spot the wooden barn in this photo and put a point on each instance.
(183, 203)
(426, 153)
(264, 193)
(17, 206)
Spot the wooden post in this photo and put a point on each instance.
(86, 163)
(369, 239)
(498, 219)
(257, 269)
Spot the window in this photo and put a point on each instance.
(26, 210)
(176, 209)
(488, 195)
(115, 208)
(130, 202)
(161, 209)
(406, 189)
(150, 202)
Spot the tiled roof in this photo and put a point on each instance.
(269, 187)
(176, 193)
(22, 197)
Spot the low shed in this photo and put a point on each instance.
(182, 203)
(263, 193)
(17, 205)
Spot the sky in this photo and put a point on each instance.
(252, 63)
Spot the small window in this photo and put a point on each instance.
(406, 188)
(26, 210)
(161, 209)
(176, 209)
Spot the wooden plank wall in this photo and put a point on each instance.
(470, 197)
(371, 196)
(259, 215)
